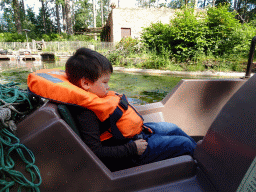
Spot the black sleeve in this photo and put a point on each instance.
(89, 127)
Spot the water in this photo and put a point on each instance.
(140, 89)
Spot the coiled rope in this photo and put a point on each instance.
(12, 99)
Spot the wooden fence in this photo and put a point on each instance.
(56, 47)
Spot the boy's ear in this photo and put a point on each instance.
(85, 84)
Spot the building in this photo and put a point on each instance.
(124, 22)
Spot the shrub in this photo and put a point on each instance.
(189, 36)
(183, 37)
(222, 25)
(129, 45)
(12, 37)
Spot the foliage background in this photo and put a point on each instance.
(216, 40)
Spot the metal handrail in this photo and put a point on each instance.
(250, 60)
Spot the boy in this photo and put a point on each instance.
(153, 142)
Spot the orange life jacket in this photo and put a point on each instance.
(52, 84)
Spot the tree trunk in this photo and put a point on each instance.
(68, 16)
(94, 13)
(43, 14)
(16, 9)
(94, 17)
(186, 3)
(23, 10)
(64, 19)
(235, 4)
(204, 3)
(58, 16)
(102, 18)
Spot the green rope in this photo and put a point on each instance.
(10, 93)
(10, 146)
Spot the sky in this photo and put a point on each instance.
(35, 4)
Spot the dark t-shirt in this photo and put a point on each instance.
(115, 154)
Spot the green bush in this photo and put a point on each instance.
(190, 36)
(129, 45)
(222, 26)
(15, 37)
(12, 37)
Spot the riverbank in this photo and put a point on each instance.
(182, 73)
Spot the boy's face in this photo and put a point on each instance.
(99, 87)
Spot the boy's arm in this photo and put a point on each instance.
(89, 127)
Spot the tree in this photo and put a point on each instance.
(146, 3)
(68, 16)
(44, 22)
(246, 10)
(103, 12)
(13, 6)
(8, 20)
(57, 12)
(43, 15)
(17, 19)
(177, 4)
(82, 15)
(219, 2)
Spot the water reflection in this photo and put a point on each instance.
(7, 65)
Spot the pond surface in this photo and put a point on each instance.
(139, 88)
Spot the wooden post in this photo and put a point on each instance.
(33, 45)
(43, 45)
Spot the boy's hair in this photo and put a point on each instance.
(88, 64)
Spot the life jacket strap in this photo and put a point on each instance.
(114, 117)
(117, 114)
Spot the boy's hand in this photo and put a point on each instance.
(141, 146)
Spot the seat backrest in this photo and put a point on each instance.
(67, 117)
(229, 147)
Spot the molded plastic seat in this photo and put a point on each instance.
(228, 151)
(229, 147)
(67, 164)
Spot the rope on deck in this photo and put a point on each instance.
(12, 100)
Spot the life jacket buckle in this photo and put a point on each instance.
(138, 136)
(123, 102)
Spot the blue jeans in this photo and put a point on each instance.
(167, 141)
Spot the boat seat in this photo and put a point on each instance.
(66, 163)
(226, 157)
(229, 148)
